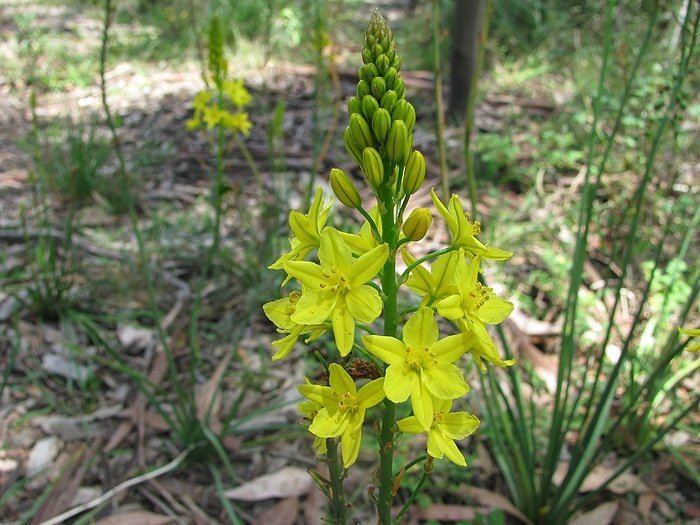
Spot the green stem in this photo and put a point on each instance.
(412, 497)
(386, 437)
(439, 103)
(335, 470)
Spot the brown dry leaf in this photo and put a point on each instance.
(208, 397)
(602, 515)
(495, 501)
(283, 513)
(623, 484)
(545, 365)
(645, 504)
(285, 483)
(444, 512)
(141, 517)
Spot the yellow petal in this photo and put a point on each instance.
(399, 382)
(451, 307)
(350, 445)
(420, 281)
(285, 345)
(320, 446)
(307, 273)
(364, 303)
(371, 394)
(443, 273)
(343, 328)
(314, 307)
(421, 330)
(467, 273)
(445, 381)
(452, 347)
(333, 252)
(323, 395)
(495, 254)
(300, 225)
(366, 267)
(410, 425)
(487, 351)
(482, 335)
(388, 349)
(357, 243)
(494, 310)
(422, 404)
(448, 447)
(340, 380)
(434, 449)
(458, 425)
(449, 218)
(278, 312)
(326, 425)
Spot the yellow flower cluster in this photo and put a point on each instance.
(225, 110)
(348, 280)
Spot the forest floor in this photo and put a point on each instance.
(74, 424)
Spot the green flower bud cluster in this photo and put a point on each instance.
(380, 132)
(218, 65)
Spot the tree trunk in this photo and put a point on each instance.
(465, 52)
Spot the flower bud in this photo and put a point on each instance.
(369, 106)
(398, 109)
(382, 63)
(344, 189)
(396, 141)
(409, 116)
(414, 174)
(378, 87)
(390, 77)
(391, 52)
(354, 105)
(366, 56)
(388, 100)
(408, 149)
(396, 63)
(368, 72)
(381, 123)
(399, 87)
(417, 224)
(362, 89)
(377, 50)
(351, 147)
(360, 131)
(373, 167)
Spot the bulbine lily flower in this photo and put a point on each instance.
(342, 409)
(444, 429)
(437, 283)
(421, 366)
(280, 313)
(473, 307)
(464, 231)
(335, 289)
(307, 231)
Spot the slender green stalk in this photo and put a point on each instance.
(335, 471)
(439, 102)
(469, 137)
(412, 496)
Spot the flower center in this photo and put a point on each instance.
(421, 358)
(477, 297)
(336, 281)
(293, 300)
(348, 402)
(438, 417)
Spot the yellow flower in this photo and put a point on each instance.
(280, 312)
(307, 231)
(236, 92)
(335, 289)
(445, 428)
(342, 409)
(201, 100)
(421, 366)
(437, 283)
(236, 122)
(212, 116)
(473, 307)
(464, 231)
(309, 409)
(694, 333)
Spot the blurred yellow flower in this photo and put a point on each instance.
(693, 333)
(236, 92)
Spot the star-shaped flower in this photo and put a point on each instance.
(280, 313)
(342, 409)
(335, 289)
(464, 231)
(420, 366)
(444, 429)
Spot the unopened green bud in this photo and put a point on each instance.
(378, 87)
(368, 72)
(362, 89)
(351, 147)
(381, 123)
(369, 106)
(344, 189)
(398, 109)
(409, 116)
(391, 52)
(217, 62)
(366, 56)
(414, 174)
(407, 149)
(373, 167)
(417, 224)
(390, 77)
(377, 50)
(382, 63)
(399, 87)
(396, 63)
(388, 100)
(396, 141)
(354, 105)
(360, 131)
